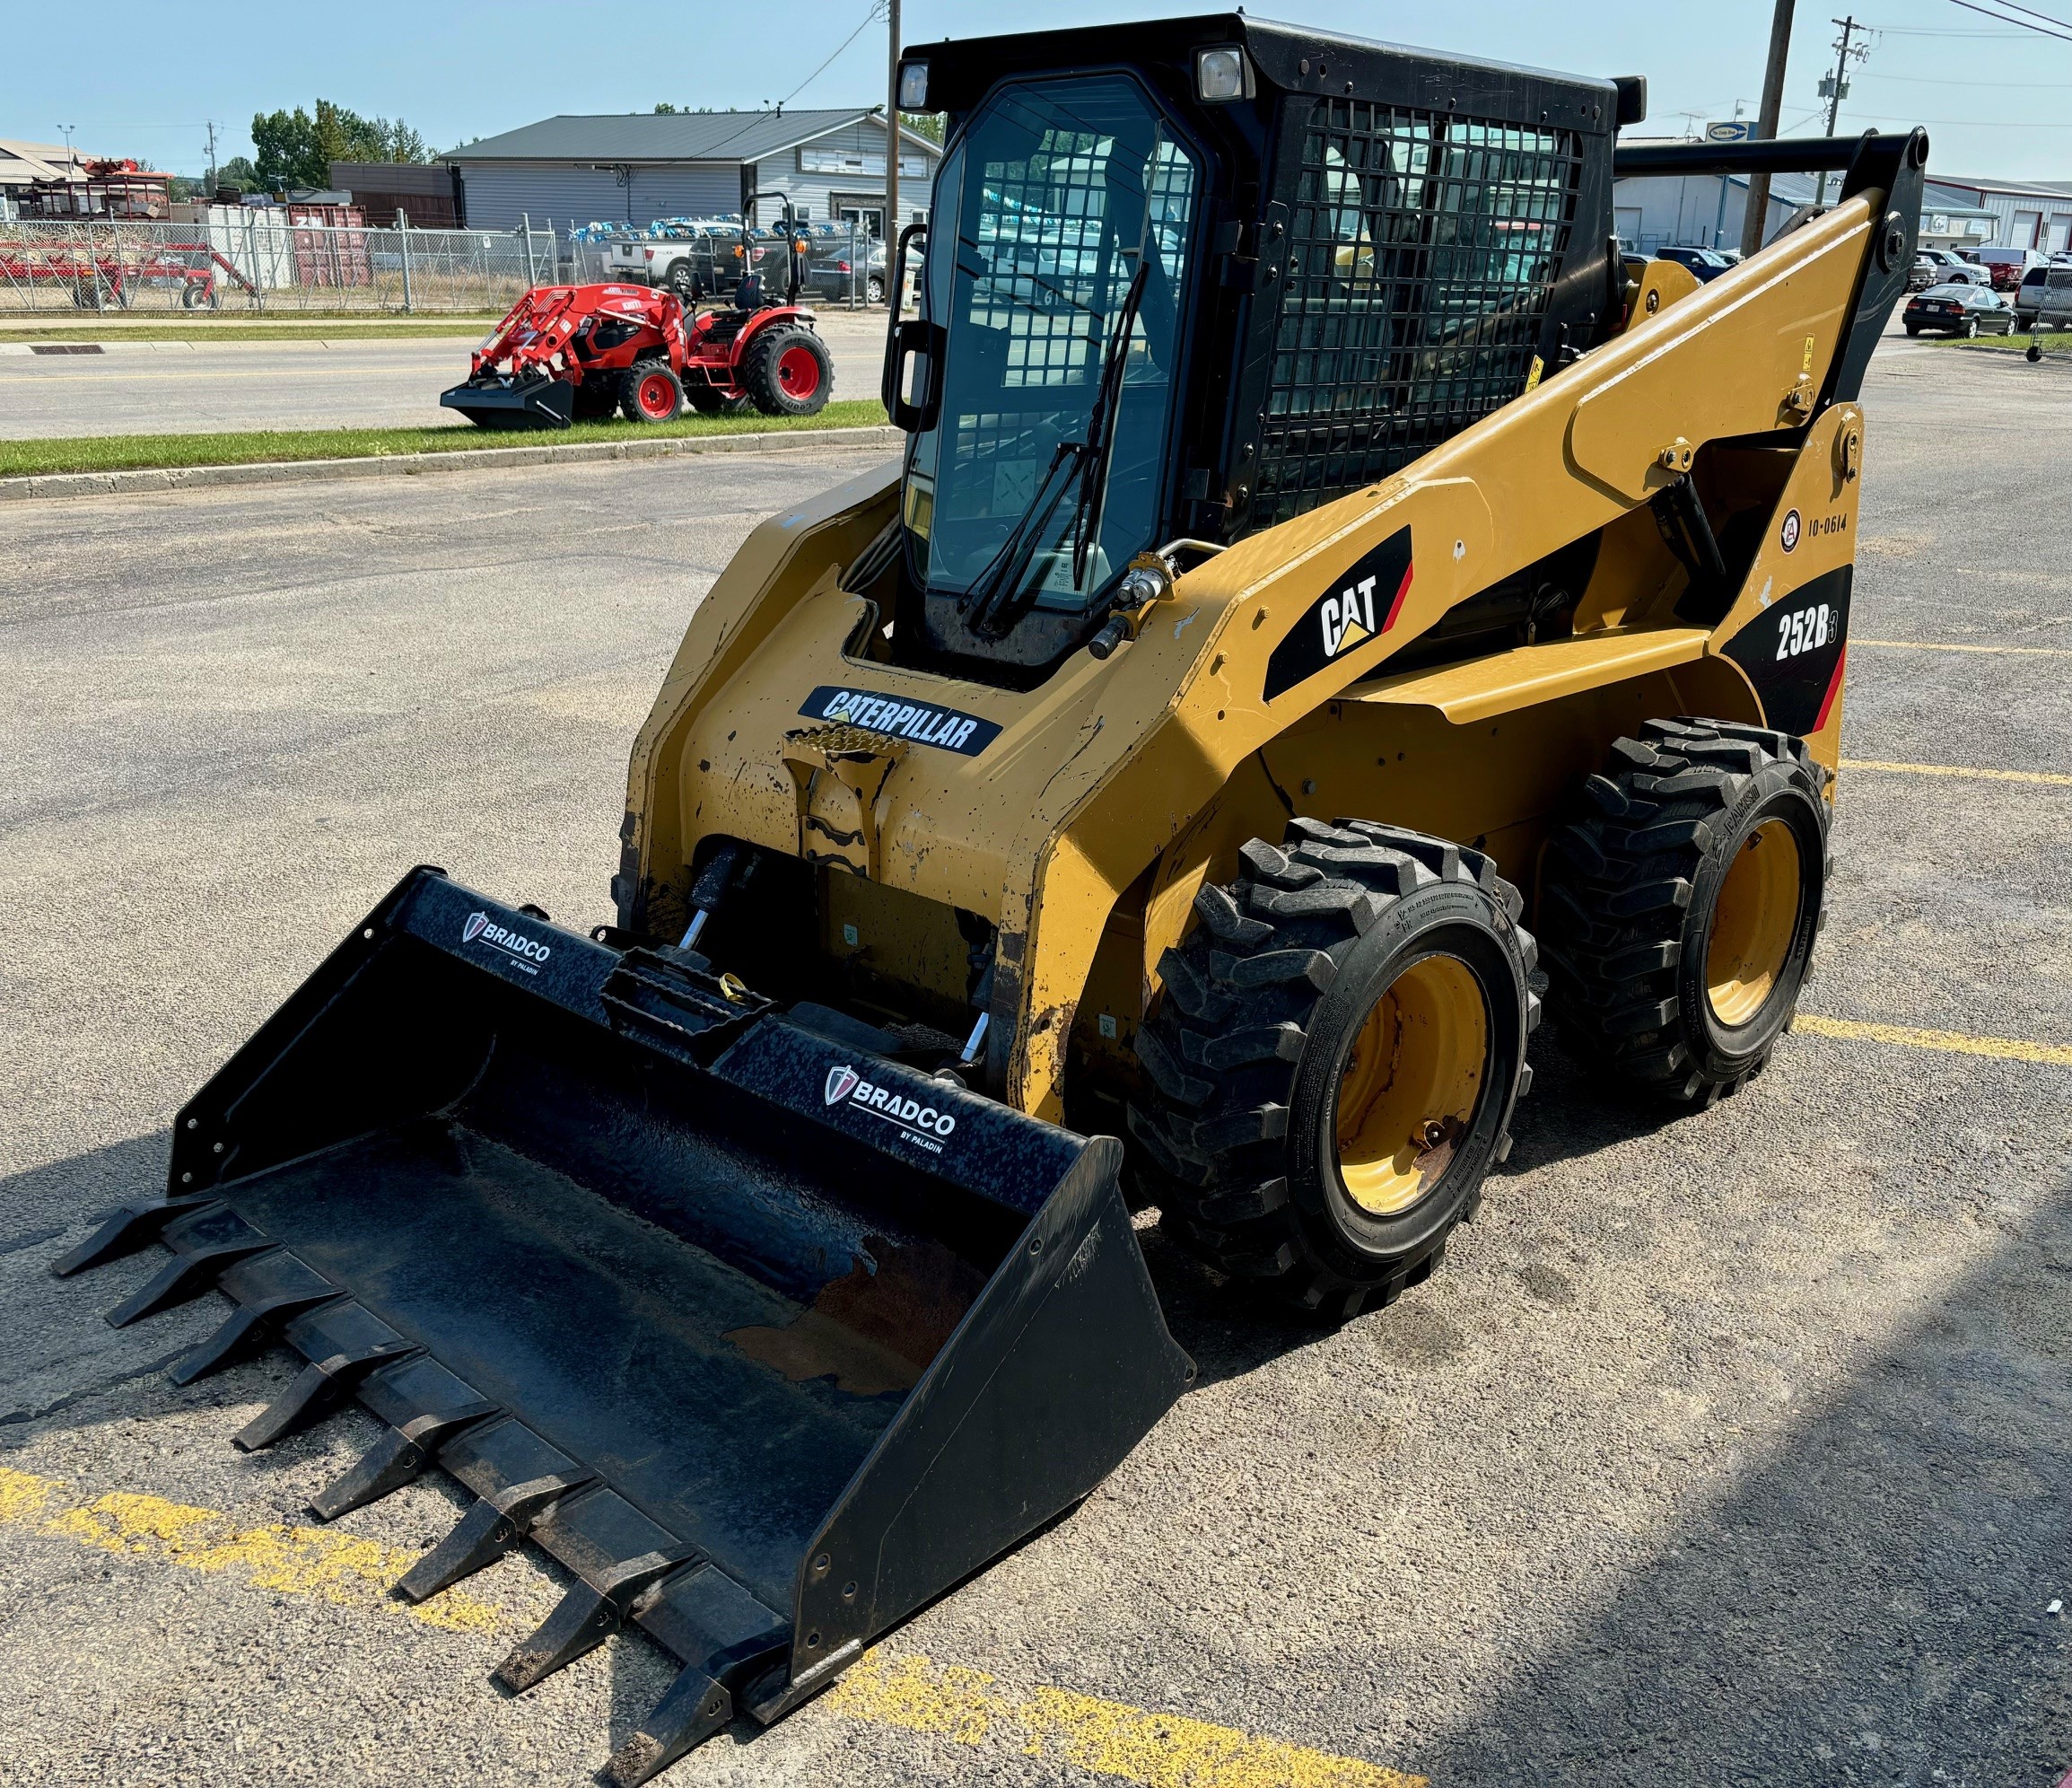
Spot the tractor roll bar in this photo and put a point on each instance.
(1773, 155)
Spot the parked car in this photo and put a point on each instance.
(840, 265)
(2008, 266)
(1707, 264)
(1947, 264)
(2043, 301)
(1959, 308)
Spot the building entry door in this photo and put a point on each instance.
(868, 218)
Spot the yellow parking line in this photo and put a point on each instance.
(1950, 1042)
(913, 1694)
(325, 1563)
(1108, 1738)
(1951, 645)
(2050, 777)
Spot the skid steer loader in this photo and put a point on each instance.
(1331, 595)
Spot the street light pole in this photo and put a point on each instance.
(892, 155)
(1758, 209)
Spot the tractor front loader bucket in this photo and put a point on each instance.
(505, 403)
(767, 1340)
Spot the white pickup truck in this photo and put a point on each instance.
(692, 259)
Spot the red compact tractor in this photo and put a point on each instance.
(576, 353)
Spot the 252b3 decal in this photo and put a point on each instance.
(1793, 652)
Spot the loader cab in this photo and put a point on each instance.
(1194, 278)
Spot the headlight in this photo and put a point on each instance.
(1222, 75)
(913, 86)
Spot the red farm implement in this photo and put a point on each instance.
(576, 353)
(113, 275)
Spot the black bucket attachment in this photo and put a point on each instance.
(497, 402)
(767, 1340)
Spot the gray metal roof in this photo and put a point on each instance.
(667, 136)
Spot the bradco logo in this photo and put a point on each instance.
(919, 1124)
(527, 950)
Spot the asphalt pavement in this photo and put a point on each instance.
(204, 385)
(1731, 1448)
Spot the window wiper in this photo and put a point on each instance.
(1101, 426)
(995, 599)
(986, 603)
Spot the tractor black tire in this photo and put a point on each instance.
(786, 371)
(1675, 950)
(644, 381)
(1239, 1136)
(596, 399)
(702, 398)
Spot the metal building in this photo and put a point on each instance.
(638, 166)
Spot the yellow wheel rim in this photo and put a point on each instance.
(1407, 1093)
(1754, 922)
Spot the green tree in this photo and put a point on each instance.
(296, 150)
(663, 109)
(922, 124)
(288, 154)
(239, 172)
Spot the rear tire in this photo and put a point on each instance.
(1291, 1134)
(1971, 329)
(651, 392)
(874, 288)
(786, 371)
(682, 279)
(1680, 909)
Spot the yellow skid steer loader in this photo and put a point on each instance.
(1332, 595)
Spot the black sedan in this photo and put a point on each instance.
(1959, 309)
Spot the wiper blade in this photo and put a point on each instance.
(989, 603)
(995, 599)
(1101, 427)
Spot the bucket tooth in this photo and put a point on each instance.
(587, 1617)
(185, 1277)
(399, 1457)
(694, 1709)
(728, 1639)
(126, 1230)
(317, 1388)
(486, 1532)
(270, 1290)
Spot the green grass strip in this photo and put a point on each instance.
(124, 452)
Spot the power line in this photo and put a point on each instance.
(870, 18)
(2004, 19)
(2033, 13)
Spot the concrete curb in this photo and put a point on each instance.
(151, 479)
(60, 349)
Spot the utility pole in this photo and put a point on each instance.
(892, 157)
(212, 192)
(1834, 87)
(1757, 210)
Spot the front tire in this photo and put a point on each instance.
(652, 392)
(1681, 907)
(1334, 1065)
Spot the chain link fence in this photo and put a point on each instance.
(255, 261)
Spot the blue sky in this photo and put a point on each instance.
(1995, 99)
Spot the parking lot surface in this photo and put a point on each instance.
(181, 388)
(1727, 1447)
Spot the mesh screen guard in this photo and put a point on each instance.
(1423, 248)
